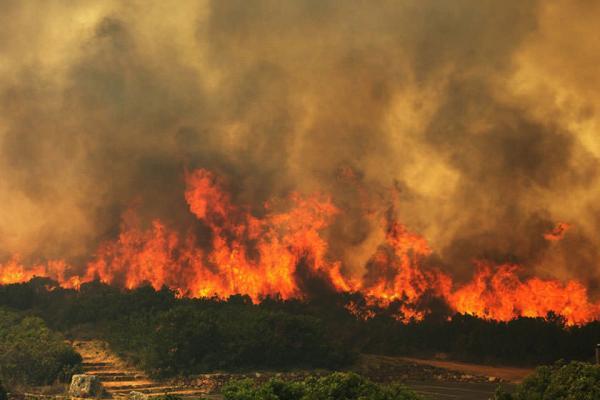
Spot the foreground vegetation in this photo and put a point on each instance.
(167, 335)
(187, 339)
(3, 395)
(561, 381)
(342, 386)
(31, 354)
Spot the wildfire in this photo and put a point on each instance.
(500, 294)
(557, 233)
(274, 253)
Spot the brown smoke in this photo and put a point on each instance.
(479, 117)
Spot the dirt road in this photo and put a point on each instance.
(436, 390)
(510, 374)
(440, 390)
(442, 380)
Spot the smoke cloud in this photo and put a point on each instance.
(476, 120)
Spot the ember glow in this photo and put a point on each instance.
(558, 232)
(272, 254)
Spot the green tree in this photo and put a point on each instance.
(3, 395)
(32, 354)
(561, 381)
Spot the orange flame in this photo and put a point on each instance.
(253, 256)
(501, 295)
(262, 256)
(558, 232)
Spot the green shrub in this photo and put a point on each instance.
(353, 386)
(274, 389)
(3, 395)
(561, 381)
(167, 397)
(31, 354)
(337, 386)
(187, 340)
(244, 330)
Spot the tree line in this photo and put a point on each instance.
(167, 335)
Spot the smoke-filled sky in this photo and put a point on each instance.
(479, 118)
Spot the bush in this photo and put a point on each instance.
(3, 395)
(561, 381)
(342, 386)
(31, 354)
(274, 389)
(235, 333)
(168, 397)
(187, 340)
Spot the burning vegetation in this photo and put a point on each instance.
(213, 185)
(283, 253)
(428, 158)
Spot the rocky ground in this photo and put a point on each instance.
(493, 373)
(433, 378)
(387, 369)
(120, 379)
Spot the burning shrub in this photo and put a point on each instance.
(346, 386)
(561, 381)
(31, 354)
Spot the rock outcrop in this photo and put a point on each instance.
(85, 386)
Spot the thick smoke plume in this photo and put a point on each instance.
(474, 121)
